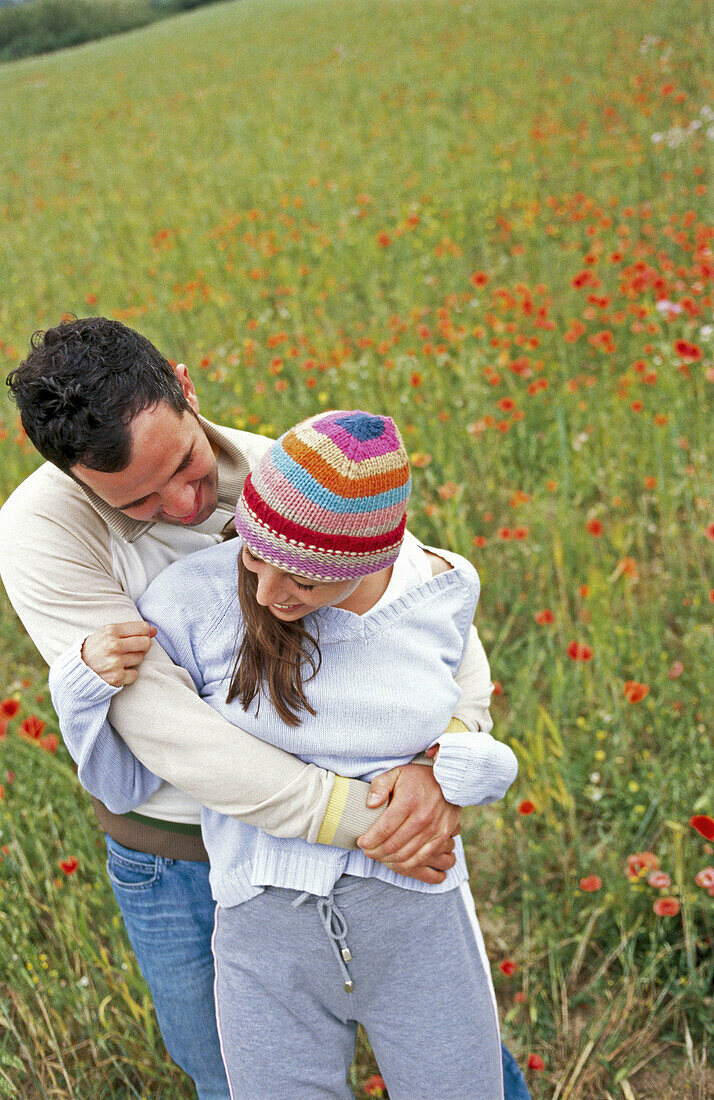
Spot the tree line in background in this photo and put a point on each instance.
(41, 26)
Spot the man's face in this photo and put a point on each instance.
(172, 475)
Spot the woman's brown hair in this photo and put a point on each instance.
(273, 656)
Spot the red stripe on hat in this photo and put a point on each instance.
(293, 532)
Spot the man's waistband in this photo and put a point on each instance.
(170, 839)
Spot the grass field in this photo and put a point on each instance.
(491, 221)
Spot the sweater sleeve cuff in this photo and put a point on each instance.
(347, 816)
(69, 673)
(473, 768)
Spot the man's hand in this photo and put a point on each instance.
(115, 652)
(414, 836)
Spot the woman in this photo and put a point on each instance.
(344, 627)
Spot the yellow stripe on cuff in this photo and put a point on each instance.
(457, 726)
(335, 809)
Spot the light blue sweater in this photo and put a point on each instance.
(384, 692)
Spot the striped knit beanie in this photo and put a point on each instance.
(328, 500)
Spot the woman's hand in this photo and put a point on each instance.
(115, 652)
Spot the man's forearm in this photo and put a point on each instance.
(474, 679)
(221, 766)
(56, 564)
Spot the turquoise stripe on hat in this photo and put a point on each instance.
(315, 492)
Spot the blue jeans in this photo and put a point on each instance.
(169, 913)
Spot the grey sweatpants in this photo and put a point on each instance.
(421, 989)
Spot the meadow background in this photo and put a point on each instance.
(489, 220)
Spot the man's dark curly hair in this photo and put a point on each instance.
(82, 384)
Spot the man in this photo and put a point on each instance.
(134, 480)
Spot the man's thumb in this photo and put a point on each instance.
(380, 789)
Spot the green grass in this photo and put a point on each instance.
(298, 199)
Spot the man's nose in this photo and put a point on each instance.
(178, 500)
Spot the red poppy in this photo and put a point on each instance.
(704, 824)
(375, 1086)
(705, 878)
(590, 884)
(639, 863)
(659, 879)
(709, 533)
(69, 866)
(3, 729)
(479, 278)
(519, 997)
(9, 708)
(497, 687)
(383, 239)
(627, 568)
(686, 350)
(578, 651)
(527, 807)
(32, 727)
(49, 742)
(583, 278)
(535, 1062)
(508, 967)
(666, 907)
(544, 617)
(594, 527)
(448, 490)
(636, 692)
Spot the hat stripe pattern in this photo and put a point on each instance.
(328, 500)
(347, 498)
(328, 449)
(270, 482)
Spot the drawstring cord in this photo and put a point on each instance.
(335, 925)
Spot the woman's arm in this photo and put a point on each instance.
(81, 696)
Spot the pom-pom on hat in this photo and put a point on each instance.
(328, 500)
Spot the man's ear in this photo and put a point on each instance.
(189, 392)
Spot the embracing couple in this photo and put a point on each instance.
(277, 700)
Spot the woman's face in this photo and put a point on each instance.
(288, 596)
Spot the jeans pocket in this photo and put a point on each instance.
(130, 870)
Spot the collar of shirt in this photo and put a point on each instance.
(232, 472)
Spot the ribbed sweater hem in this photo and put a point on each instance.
(298, 871)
